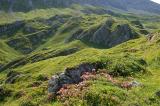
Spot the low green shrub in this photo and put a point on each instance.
(101, 94)
(124, 65)
(4, 92)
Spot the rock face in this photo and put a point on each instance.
(71, 76)
(109, 34)
(29, 43)
(9, 28)
(31, 36)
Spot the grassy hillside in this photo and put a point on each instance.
(7, 53)
(46, 42)
(126, 54)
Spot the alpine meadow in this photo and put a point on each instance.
(79, 53)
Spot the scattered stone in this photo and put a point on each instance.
(129, 85)
(135, 84)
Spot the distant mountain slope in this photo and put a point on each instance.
(125, 5)
(26, 5)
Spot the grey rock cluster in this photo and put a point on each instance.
(71, 76)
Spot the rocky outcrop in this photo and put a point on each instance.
(154, 37)
(71, 76)
(109, 34)
(21, 44)
(27, 44)
(12, 76)
(9, 28)
(32, 36)
(139, 25)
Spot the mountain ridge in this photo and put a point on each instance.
(79, 53)
(125, 5)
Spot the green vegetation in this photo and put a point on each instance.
(7, 53)
(50, 41)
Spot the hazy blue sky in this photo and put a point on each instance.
(158, 1)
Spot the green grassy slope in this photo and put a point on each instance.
(139, 48)
(7, 53)
(138, 59)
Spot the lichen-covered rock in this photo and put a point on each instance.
(54, 84)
